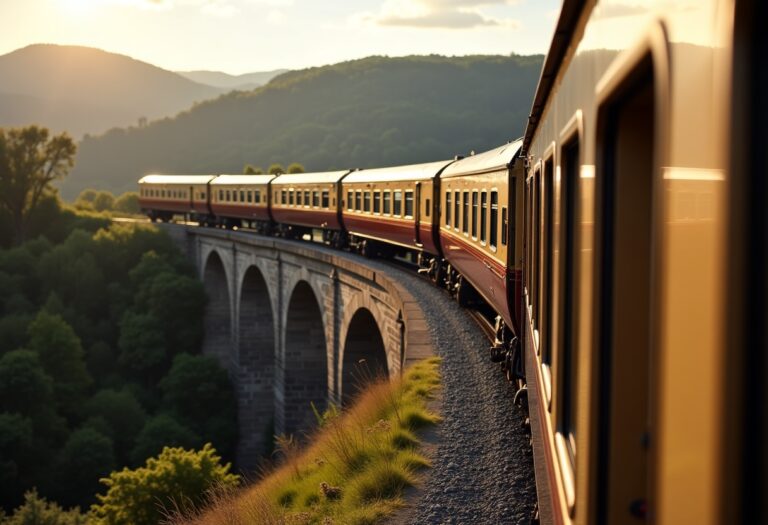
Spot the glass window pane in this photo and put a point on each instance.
(315, 198)
(306, 198)
(397, 203)
(367, 201)
(494, 217)
(325, 198)
(387, 200)
(483, 214)
(456, 205)
(350, 199)
(447, 208)
(474, 214)
(409, 204)
(377, 202)
(465, 214)
(358, 200)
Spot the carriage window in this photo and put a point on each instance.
(367, 201)
(306, 198)
(483, 214)
(376, 201)
(397, 203)
(202, 195)
(387, 199)
(291, 197)
(316, 198)
(221, 195)
(242, 196)
(228, 196)
(474, 215)
(448, 208)
(358, 200)
(456, 208)
(504, 226)
(250, 196)
(284, 196)
(409, 203)
(257, 196)
(427, 210)
(298, 198)
(465, 213)
(325, 199)
(350, 200)
(494, 218)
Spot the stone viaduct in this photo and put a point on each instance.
(297, 324)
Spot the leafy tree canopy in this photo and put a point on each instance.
(249, 169)
(175, 477)
(295, 167)
(276, 169)
(39, 511)
(30, 160)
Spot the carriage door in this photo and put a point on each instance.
(625, 299)
(417, 213)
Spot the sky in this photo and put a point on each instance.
(241, 36)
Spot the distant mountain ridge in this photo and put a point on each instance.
(87, 90)
(244, 82)
(371, 112)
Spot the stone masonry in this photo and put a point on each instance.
(296, 324)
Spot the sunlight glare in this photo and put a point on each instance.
(77, 7)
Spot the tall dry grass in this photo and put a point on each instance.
(354, 468)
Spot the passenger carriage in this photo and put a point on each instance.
(392, 206)
(305, 201)
(162, 196)
(241, 200)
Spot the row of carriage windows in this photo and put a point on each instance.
(469, 212)
(386, 202)
(252, 196)
(156, 193)
(314, 198)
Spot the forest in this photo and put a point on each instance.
(100, 336)
(372, 112)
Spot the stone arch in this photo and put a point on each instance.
(256, 354)
(218, 315)
(305, 361)
(365, 357)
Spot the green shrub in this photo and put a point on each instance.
(177, 478)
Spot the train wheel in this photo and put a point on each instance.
(462, 292)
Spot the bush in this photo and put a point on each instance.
(86, 457)
(176, 478)
(39, 511)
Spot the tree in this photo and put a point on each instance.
(128, 202)
(25, 388)
(159, 432)
(295, 167)
(29, 161)
(249, 169)
(62, 357)
(276, 169)
(87, 456)
(141, 343)
(17, 451)
(104, 201)
(122, 412)
(176, 477)
(39, 511)
(198, 392)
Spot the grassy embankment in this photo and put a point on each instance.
(354, 469)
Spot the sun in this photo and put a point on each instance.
(77, 7)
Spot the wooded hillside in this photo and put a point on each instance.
(376, 111)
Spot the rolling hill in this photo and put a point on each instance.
(376, 111)
(245, 82)
(86, 90)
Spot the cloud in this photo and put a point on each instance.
(436, 14)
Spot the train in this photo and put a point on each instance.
(622, 243)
